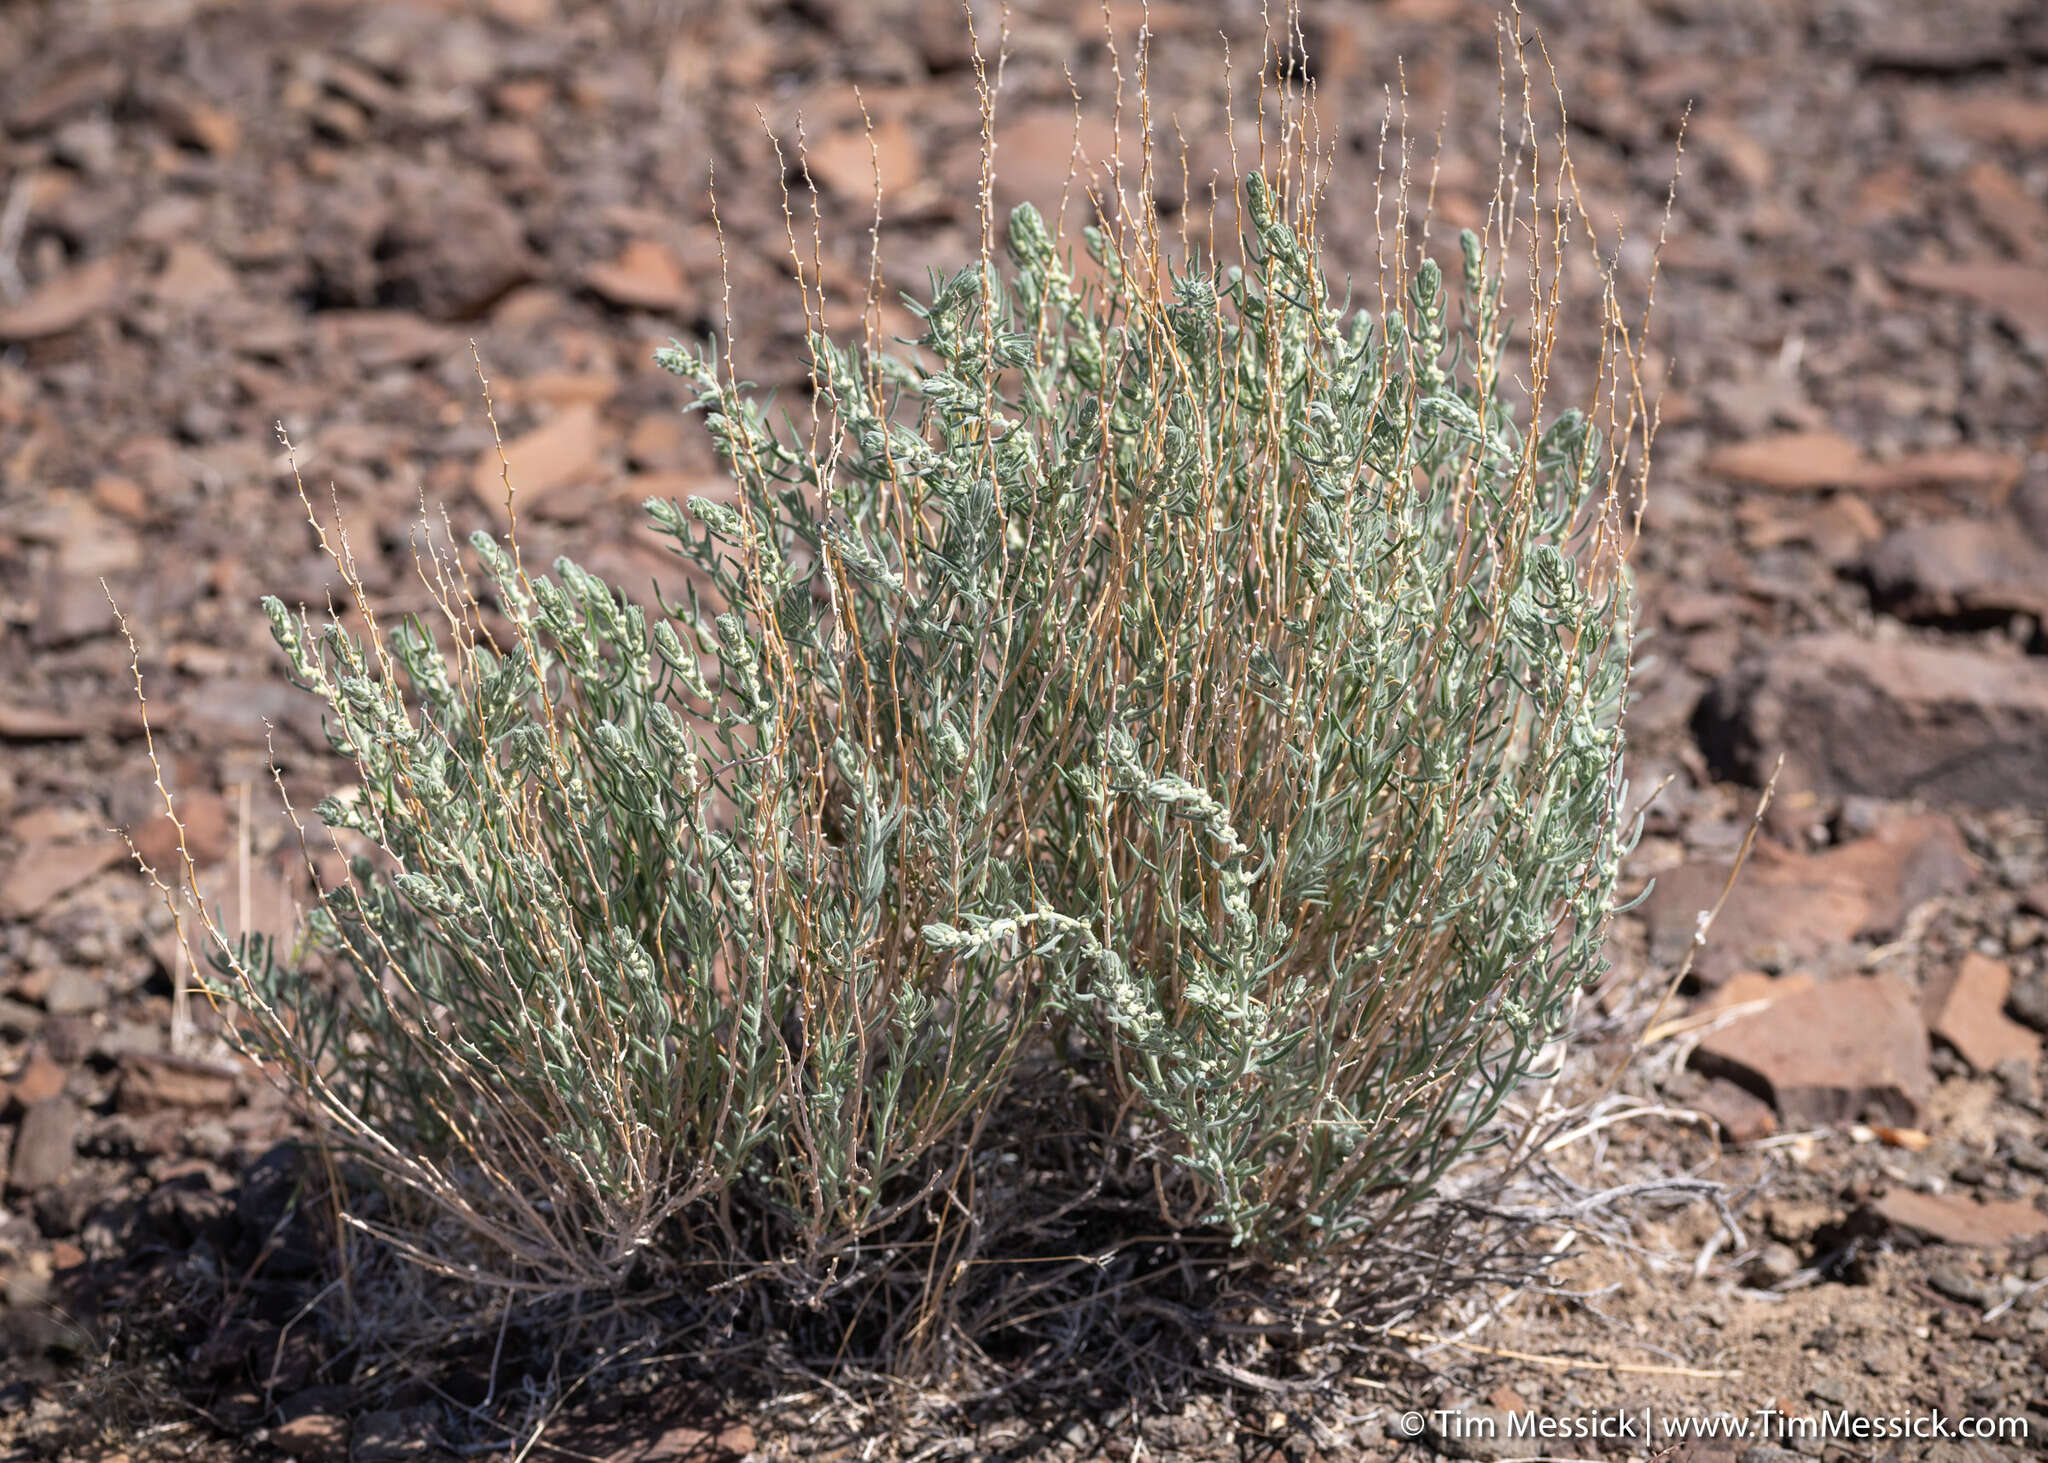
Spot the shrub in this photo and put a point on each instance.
(1168, 698)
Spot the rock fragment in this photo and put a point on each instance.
(2015, 293)
(1742, 1116)
(645, 276)
(65, 302)
(151, 1082)
(845, 162)
(1960, 568)
(43, 874)
(559, 454)
(71, 90)
(1889, 719)
(1966, 1008)
(1789, 907)
(1987, 1224)
(74, 992)
(1841, 1051)
(45, 1148)
(1790, 461)
(39, 724)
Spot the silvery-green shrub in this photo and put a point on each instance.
(1178, 686)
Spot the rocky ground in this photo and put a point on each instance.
(219, 216)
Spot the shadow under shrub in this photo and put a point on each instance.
(1141, 768)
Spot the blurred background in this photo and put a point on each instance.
(216, 217)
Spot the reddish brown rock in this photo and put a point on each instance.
(39, 1080)
(1965, 1007)
(151, 1082)
(275, 904)
(65, 302)
(1753, 405)
(1736, 148)
(192, 276)
(45, 1147)
(1804, 461)
(2030, 501)
(563, 388)
(359, 84)
(1953, 467)
(39, 724)
(514, 149)
(1791, 460)
(381, 339)
(1959, 568)
(1507, 1399)
(1894, 720)
(72, 89)
(1985, 116)
(660, 443)
(1741, 1115)
(442, 243)
(249, 711)
(70, 609)
(41, 876)
(2017, 293)
(2018, 218)
(1985, 1224)
(645, 276)
(847, 160)
(197, 122)
(524, 97)
(207, 833)
(561, 454)
(1787, 907)
(1756, 988)
(1756, 925)
(53, 823)
(524, 12)
(121, 496)
(1843, 1051)
(944, 43)
(1043, 158)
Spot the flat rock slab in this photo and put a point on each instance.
(42, 875)
(73, 992)
(153, 1082)
(1888, 719)
(46, 1147)
(1787, 907)
(1960, 568)
(1741, 1115)
(1986, 1224)
(1966, 1008)
(644, 277)
(1812, 460)
(64, 302)
(1843, 1051)
(562, 453)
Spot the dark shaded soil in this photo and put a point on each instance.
(222, 216)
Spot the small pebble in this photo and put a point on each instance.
(1957, 1284)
